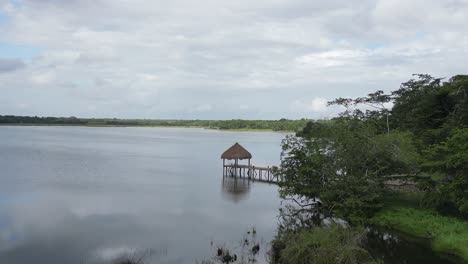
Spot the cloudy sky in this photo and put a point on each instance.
(213, 59)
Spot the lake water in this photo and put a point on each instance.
(86, 195)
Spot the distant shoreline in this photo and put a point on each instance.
(281, 125)
(147, 126)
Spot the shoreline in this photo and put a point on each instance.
(446, 234)
(149, 126)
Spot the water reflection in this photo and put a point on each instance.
(87, 195)
(235, 188)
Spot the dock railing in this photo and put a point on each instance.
(255, 173)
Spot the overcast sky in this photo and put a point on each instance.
(262, 59)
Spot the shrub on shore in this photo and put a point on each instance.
(333, 244)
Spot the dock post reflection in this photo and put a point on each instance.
(235, 188)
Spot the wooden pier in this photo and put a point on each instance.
(254, 173)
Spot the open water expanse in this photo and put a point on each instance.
(88, 195)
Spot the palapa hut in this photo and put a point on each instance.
(236, 153)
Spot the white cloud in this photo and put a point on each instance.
(243, 107)
(202, 108)
(148, 77)
(23, 106)
(112, 253)
(91, 108)
(316, 105)
(57, 57)
(160, 59)
(43, 78)
(332, 58)
(8, 7)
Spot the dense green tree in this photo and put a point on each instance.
(338, 168)
(449, 158)
(378, 114)
(430, 108)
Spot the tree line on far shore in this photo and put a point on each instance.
(239, 124)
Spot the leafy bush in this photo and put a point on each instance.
(451, 158)
(332, 244)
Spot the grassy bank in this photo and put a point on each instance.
(447, 234)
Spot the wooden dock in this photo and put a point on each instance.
(236, 152)
(254, 173)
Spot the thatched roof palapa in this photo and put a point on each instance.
(236, 152)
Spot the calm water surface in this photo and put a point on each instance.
(86, 195)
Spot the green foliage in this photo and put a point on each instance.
(338, 168)
(424, 134)
(333, 244)
(397, 153)
(235, 124)
(8, 119)
(437, 113)
(448, 234)
(450, 195)
(343, 164)
(415, 108)
(430, 108)
(450, 156)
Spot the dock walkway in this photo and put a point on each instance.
(261, 174)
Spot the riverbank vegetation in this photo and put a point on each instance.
(447, 233)
(326, 244)
(397, 160)
(235, 124)
(412, 141)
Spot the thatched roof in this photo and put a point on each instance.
(236, 152)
